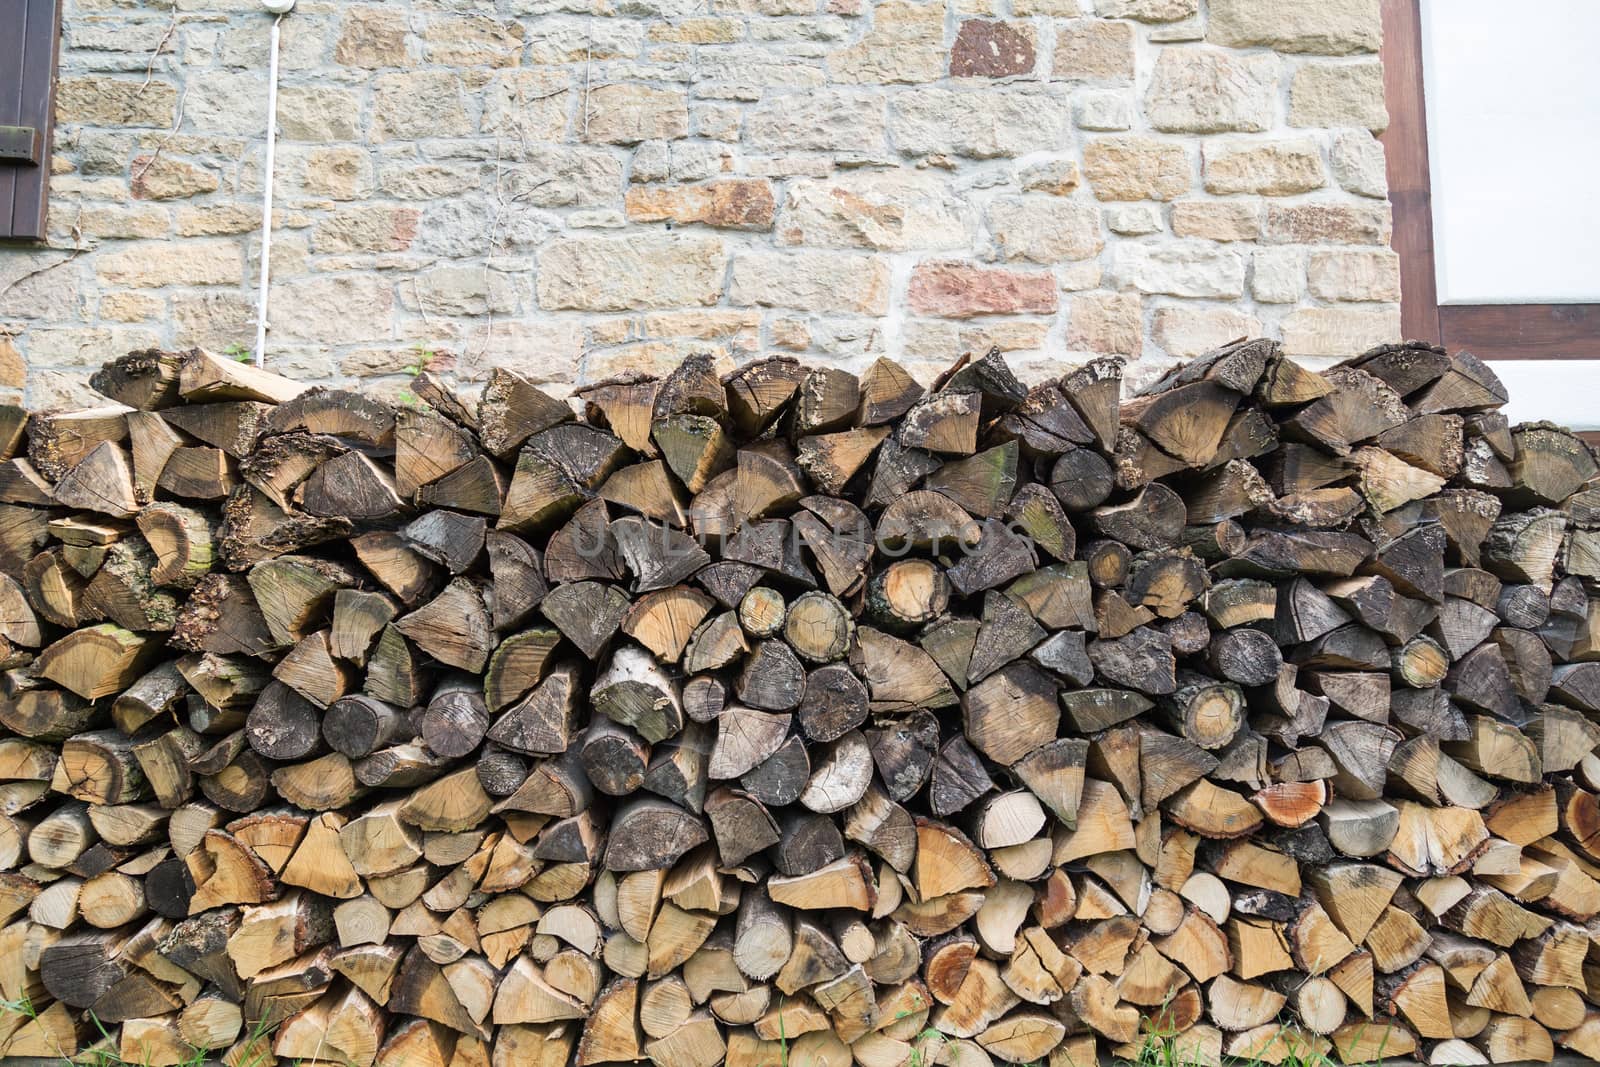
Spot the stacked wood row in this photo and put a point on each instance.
(800, 716)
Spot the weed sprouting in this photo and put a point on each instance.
(106, 1051)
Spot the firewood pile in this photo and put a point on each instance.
(801, 717)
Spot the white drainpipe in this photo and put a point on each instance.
(278, 8)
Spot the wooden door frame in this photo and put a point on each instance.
(1489, 331)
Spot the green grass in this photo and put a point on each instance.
(105, 1052)
(1162, 1046)
(237, 352)
(424, 359)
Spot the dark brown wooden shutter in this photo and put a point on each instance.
(29, 32)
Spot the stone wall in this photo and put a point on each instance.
(578, 188)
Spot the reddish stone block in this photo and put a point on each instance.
(734, 203)
(955, 290)
(986, 49)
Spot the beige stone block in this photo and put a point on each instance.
(732, 203)
(1208, 90)
(13, 368)
(1076, 277)
(339, 173)
(832, 282)
(105, 101)
(1338, 94)
(1133, 220)
(765, 7)
(1319, 222)
(1358, 164)
(215, 319)
(115, 221)
(827, 121)
(474, 40)
(1059, 177)
(530, 104)
(1338, 331)
(1137, 168)
(1269, 168)
(890, 211)
(575, 39)
(372, 37)
(953, 289)
(318, 113)
(1045, 229)
(790, 334)
(1148, 10)
(600, 332)
(367, 228)
(655, 359)
(628, 113)
(707, 323)
(1093, 50)
(719, 122)
(753, 71)
(1217, 220)
(290, 256)
(984, 122)
(418, 105)
(707, 30)
(652, 162)
(216, 220)
(689, 161)
(1355, 275)
(166, 178)
(1107, 111)
(928, 339)
(303, 45)
(1192, 28)
(332, 309)
(566, 175)
(1008, 335)
(1277, 275)
(58, 389)
(459, 290)
(1325, 27)
(1106, 324)
(226, 102)
(1062, 9)
(130, 307)
(427, 181)
(545, 350)
(1194, 331)
(61, 390)
(905, 44)
(85, 347)
(307, 362)
(40, 283)
(1179, 268)
(378, 360)
(115, 33)
(152, 264)
(623, 273)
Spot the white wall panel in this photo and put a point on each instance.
(1513, 101)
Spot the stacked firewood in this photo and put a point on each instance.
(801, 717)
